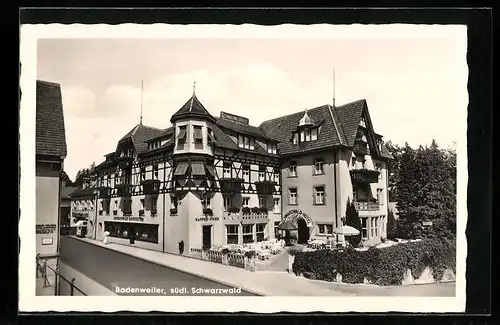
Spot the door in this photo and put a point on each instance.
(303, 231)
(207, 236)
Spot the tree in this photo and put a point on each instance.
(393, 169)
(392, 226)
(83, 174)
(352, 219)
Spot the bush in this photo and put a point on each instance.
(255, 210)
(384, 266)
(208, 212)
(263, 210)
(234, 210)
(225, 251)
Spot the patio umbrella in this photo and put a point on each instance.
(286, 226)
(346, 231)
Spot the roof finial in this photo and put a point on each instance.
(194, 87)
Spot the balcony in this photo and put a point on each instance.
(361, 148)
(364, 176)
(124, 190)
(230, 185)
(367, 206)
(265, 187)
(104, 191)
(151, 186)
(124, 162)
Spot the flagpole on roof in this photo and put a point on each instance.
(333, 102)
(142, 91)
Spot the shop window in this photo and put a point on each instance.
(141, 232)
(247, 234)
(232, 234)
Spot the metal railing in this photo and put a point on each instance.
(42, 269)
(366, 206)
(231, 259)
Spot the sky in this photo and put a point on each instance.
(415, 88)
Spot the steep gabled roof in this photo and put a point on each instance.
(349, 116)
(246, 129)
(282, 128)
(192, 108)
(140, 134)
(50, 132)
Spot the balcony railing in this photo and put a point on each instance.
(151, 186)
(367, 206)
(124, 189)
(265, 187)
(230, 185)
(365, 176)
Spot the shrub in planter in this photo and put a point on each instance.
(234, 210)
(245, 210)
(255, 210)
(225, 251)
(263, 210)
(173, 211)
(208, 212)
(384, 266)
(250, 254)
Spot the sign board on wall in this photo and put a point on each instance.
(128, 218)
(427, 223)
(234, 118)
(208, 219)
(46, 229)
(47, 240)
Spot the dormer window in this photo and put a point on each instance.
(295, 139)
(308, 134)
(272, 148)
(314, 134)
(246, 142)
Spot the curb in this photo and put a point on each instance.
(88, 241)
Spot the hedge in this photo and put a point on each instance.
(380, 266)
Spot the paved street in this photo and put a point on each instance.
(110, 268)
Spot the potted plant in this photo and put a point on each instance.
(225, 252)
(141, 212)
(100, 212)
(263, 210)
(153, 212)
(234, 210)
(255, 210)
(245, 210)
(208, 212)
(115, 212)
(173, 211)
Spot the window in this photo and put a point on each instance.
(115, 206)
(143, 232)
(252, 144)
(154, 203)
(173, 203)
(314, 134)
(319, 195)
(378, 167)
(329, 229)
(295, 138)
(376, 226)
(155, 172)
(209, 136)
(206, 202)
(143, 174)
(240, 141)
(232, 234)
(226, 170)
(262, 202)
(198, 136)
(247, 234)
(321, 229)
(302, 136)
(318, 166)
(277, 175)
(308, 135)
(141, 204)
(276, 205)
(325, 229)
(272, 148)
(262, 173)
(227, 202)
(181, 137)
(246, 201)
(364, 231)
(372, 227)
(292, 169)
(246, 171)
(259, 231)
(246, 143)
(276, 229)
(292, 196)
(380, 196)
(101, 205)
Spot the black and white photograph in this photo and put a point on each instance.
(243, 168)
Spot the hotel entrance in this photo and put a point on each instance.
(303, 231)
(207, 236)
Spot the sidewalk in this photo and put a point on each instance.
(261, 283)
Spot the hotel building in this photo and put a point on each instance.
(208, 180)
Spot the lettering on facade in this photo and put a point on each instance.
(234, 118)
(293, 215)
(46, 229)
(128, 218)
(208, 219)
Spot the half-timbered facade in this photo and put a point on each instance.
(208, 180)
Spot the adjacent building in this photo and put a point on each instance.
(50, 155)
(207, 180)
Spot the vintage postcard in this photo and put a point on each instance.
(243, 168)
